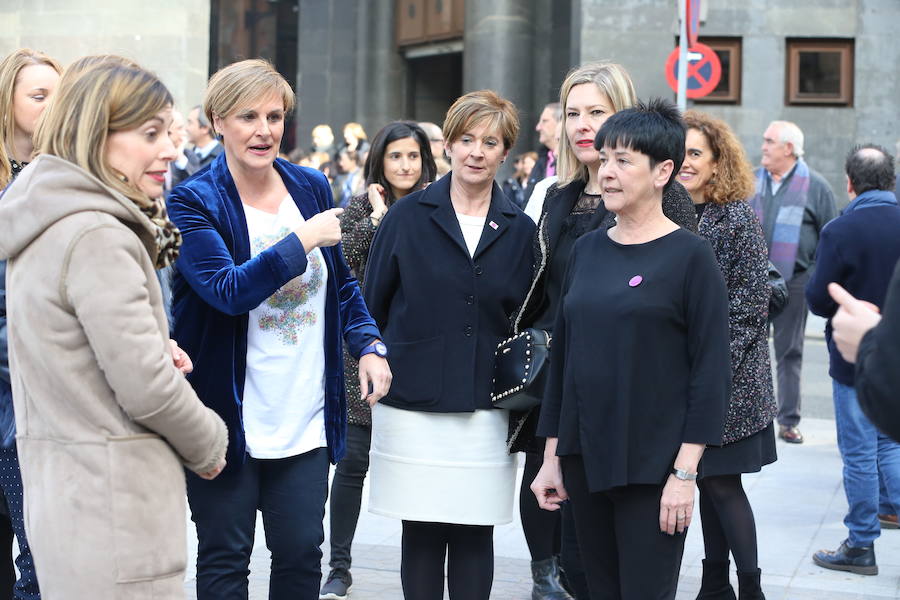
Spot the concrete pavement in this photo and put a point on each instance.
(799, 504)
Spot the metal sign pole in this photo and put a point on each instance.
(682, 56)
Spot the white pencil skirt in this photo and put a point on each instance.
(441, 467)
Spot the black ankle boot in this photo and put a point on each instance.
(715, 585)
(545, 574)
(748, 586)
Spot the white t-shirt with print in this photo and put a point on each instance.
(284, 387)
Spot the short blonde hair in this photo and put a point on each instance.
(10, 67)
(104, 99)
(479, 108)
(237, 85)
(613, 80)
(356, 130)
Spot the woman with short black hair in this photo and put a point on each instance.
(627, 420)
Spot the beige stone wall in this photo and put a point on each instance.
(169, 37)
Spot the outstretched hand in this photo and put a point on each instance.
(851, 321)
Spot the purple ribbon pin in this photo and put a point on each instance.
(635, 281)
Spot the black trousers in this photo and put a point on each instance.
(346, 495)
(789, 332)
(624, 554)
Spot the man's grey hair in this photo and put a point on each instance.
(201, 117)
(789, 133)
(556, 107)
(431, 130)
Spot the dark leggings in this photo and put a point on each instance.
(728, 523)
(7, 570)
(541, 527)
(469, 550)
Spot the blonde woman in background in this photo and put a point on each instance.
(28, 79)
(106, 421)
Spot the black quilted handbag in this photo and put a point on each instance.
(520, 368)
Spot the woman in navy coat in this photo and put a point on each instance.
(447, 268)
(262, 300)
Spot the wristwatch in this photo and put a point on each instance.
(683, 475)
(376, 347)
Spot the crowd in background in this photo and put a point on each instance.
(192, 316)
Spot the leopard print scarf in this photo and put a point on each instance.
(168, 237)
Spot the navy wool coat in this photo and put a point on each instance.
(217, 284)
(443, 312)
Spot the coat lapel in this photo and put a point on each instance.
(564, 201)
(438, 195)
(497, 221)
(236, 219)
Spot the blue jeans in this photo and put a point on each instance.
(290, 493)
(866, 453)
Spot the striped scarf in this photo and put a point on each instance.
(786, 236)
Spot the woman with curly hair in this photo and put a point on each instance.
(718, 176)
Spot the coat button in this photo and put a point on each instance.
(468, 330)
(478, 270)
(470, 299)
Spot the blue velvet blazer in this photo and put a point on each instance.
(217, 284)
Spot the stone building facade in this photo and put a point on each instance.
(373, 61)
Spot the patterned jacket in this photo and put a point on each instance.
(740, 248)
(357, 233)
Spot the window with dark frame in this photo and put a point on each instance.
(424, 21)
(729, 51)
(819, 71)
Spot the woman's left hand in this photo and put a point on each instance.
(374, 370)
(180, 358)
(676, 505)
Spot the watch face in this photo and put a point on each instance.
(380, 349)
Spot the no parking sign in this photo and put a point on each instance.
(703, 72)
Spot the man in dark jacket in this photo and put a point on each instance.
(201, 135)
(859, 250)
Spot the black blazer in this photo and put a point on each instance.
(207, 160)
(442, 312)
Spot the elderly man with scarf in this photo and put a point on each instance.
(859, 250)
(793, 203)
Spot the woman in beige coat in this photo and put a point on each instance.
(105, 420)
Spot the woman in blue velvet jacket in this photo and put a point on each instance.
(262, 300)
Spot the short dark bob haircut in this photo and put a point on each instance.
(398, 130)
(654, 128)
(870, 167)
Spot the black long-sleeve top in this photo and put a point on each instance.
(637, 370)
(878, 365)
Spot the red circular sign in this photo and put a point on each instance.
(703, 72)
